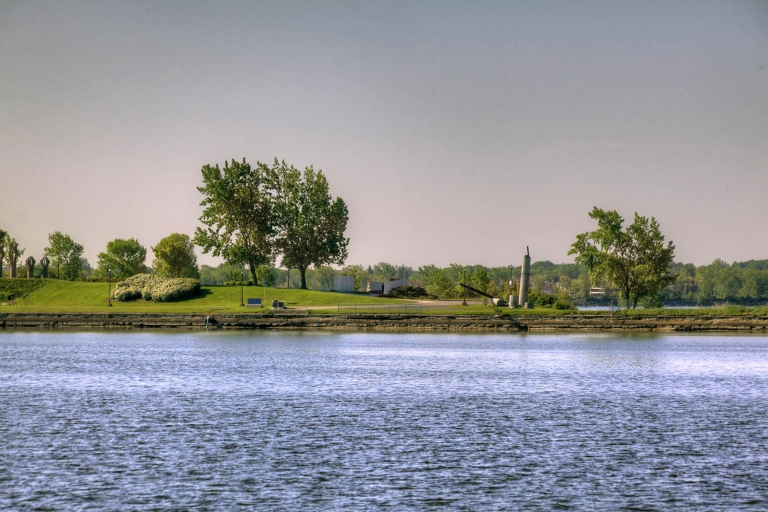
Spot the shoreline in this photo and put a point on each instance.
(384, 322)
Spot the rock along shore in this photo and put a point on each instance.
(384, 322)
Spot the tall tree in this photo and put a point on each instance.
(312, 223)
(14, 253)
(123, 258)
(3, 245)
(175, 257)
(65, 254)
(635, 260)
(237, 214)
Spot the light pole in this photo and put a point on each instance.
(109, 287)
(242, 290)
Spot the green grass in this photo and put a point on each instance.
(78, 297)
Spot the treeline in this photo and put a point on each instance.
(63, 259)
(718, 282)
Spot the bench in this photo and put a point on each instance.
(254, 303)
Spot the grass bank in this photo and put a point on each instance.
(77, 297)
(56, 296)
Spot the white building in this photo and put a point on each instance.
(344, 283)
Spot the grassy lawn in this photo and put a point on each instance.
(77, 297)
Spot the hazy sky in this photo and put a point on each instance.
(455, 131)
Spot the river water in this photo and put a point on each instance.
(305, 421)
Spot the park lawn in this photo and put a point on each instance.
(79, 297)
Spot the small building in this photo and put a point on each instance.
(344, 284)
(596, 292)
(394, 283)
(375, 287)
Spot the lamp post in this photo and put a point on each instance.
(242, 290)
(109, 287)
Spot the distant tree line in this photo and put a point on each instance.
(737, 283)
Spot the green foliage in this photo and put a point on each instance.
(175, 257)
(264, 273)
(311, 222)
(362, 277)
(635, 260)
(252, 214)
(66, 256)
(155, 288)
(123, 258)
(19, 288)
(409, 292)
(239, 214)
(325, 277)
(438, 283)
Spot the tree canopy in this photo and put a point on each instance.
(634, 260)
(123, 258)
(311, 222)
(65, 254)
(253, 214)
(175, 257)
(238, 214)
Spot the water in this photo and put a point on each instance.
(291, 421)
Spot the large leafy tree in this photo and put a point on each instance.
(175, 257)
(65, 254)
(238, 203)
(634, 260)
(311, 222)
(123, 258)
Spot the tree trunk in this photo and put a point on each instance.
(252, 269)
(303, 271)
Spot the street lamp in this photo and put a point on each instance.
(242, 277)
(109, 287)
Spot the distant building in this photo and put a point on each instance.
(387, 286)
(596, 292)
(344, 283)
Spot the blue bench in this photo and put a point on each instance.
(254, 303)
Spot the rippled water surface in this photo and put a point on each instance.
(359, 421)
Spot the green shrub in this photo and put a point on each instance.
(156, 288)
(409, 292)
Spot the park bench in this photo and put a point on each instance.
(254, 303)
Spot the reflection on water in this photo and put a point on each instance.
(318, 420)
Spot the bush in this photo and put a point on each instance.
(545, 300)
(156, 288)
(409, 292)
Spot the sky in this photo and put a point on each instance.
(455, 131)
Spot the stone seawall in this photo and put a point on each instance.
(385, 322)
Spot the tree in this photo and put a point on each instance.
(635, 260)
(325, 277)
(14, 253)
(175, 257)
(264, 274)
(65, 254)
(312, 223)
(124, 258)
(3, 242)
(238, 214)
(362, 278)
